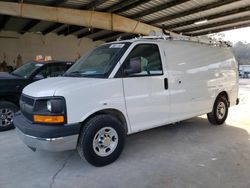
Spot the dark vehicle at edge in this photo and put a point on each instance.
(12, 84)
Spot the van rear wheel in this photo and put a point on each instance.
(7, 111)
(220, 110)
(101, 140)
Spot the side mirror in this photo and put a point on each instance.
(134, 66)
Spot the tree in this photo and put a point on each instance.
(242, 52)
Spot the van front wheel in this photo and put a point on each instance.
(220, 110)
(101, 140)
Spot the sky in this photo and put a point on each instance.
(236, 35)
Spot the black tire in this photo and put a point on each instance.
(7, 110)
(215, 117)
(89, 135)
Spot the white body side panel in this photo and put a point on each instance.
(197, 74)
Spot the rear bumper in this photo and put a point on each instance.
(46, 137)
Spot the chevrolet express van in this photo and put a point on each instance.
(125, 87)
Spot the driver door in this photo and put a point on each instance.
(146, 92)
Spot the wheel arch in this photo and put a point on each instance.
(114, 112)
(213, 116)
(224, 94)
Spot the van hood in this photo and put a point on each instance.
(58, 85)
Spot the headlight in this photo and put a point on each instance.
(50, 110)
(55, 105)
(49, 105)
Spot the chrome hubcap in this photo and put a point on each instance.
(221, 110)
(105, 141)
(6, 117)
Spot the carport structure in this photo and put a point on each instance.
(123, 18)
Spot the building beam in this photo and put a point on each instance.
(68, 30)
(211, 17)
(217, 24)
(29, 26)
(192, 11)
(5, 20)
(131, 6)
(100, 20)
(72, 29)
(148, 11)
(106, 36)
(122, 5)
(237, 26)
(33, 23)
(88, 32)
(159, 8)
(90, 6)
(51, 28)
(64, 30)
(119, 7)
(93, 4)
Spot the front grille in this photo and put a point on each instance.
(27, 106)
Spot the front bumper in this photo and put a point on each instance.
(46, 137)
(49, 144)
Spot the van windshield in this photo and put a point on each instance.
(100, 62)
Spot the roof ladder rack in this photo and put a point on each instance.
(168, 36)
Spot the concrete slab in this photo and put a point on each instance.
(186, 155)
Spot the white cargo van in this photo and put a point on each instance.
(125, 87)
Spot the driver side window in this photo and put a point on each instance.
(146, 56)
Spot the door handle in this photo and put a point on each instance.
(166, 83)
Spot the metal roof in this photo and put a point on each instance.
(179, 16)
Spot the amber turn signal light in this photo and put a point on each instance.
(48, 119)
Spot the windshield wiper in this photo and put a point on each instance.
(81, 74)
